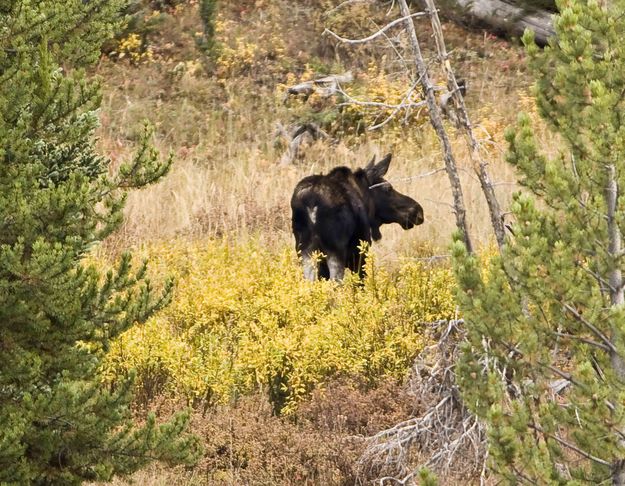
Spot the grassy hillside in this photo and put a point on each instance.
(245, 337)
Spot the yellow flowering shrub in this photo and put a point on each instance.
(243, 319)
(132, 48)
(243, 54)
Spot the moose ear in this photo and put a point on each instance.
(378, 170)
(369, 166)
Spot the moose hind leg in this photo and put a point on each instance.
(357, 264)
(324, 272)
(336, 267)
(310, 267)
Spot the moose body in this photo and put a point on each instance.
(333, 213)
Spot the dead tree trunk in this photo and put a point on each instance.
(479, 164)
(617, 295)
(437, 123)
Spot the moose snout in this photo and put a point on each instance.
(418, 215)
(414, 217)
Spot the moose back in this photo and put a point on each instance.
(333, 213)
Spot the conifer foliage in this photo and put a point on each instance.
(58, 425)
(544, 365)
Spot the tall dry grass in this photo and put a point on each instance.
(226, 180)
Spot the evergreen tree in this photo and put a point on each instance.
(548, 314)
(58, 424)
(208, 13)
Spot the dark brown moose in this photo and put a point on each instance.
(333, 213)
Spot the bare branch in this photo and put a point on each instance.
(376, 34)
(398, 108)
(433, 258)
(580, 318)
(582, 339)
(296, 137)
(569, 446)
(481, 166)
(437, 124)
(377, 104)
(345, 4)
(395, 50)
(446, 432)
(326, 86)
(405, 179)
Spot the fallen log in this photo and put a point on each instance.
(326, 86)
(506, 18)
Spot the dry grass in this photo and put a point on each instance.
(226, 180)
(245, 445)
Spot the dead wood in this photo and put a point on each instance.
(507, 18)
(455, 94)
(326, 86)
(446, 436)
(437, 123)
(296, 138)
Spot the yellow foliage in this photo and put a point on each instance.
(240, 55)
(132, 47)
(243, 318)
(491, 127)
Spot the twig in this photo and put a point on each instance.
(446, 432)
(374, 35)
(592, 327)
(410, 178)
(568, 445)
(437, 124)
(345, 4)
(376, 104)
(582, 339)
(398, 108)
(433, 258)
(480, 164)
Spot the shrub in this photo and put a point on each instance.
(240, 54)
(144, 20)
(243, 319)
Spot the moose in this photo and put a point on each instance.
(333, 213)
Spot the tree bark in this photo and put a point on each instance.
(437, 123)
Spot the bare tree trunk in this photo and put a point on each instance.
(617, 292)
(617, 296)
(479, 164)
(437, 123)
